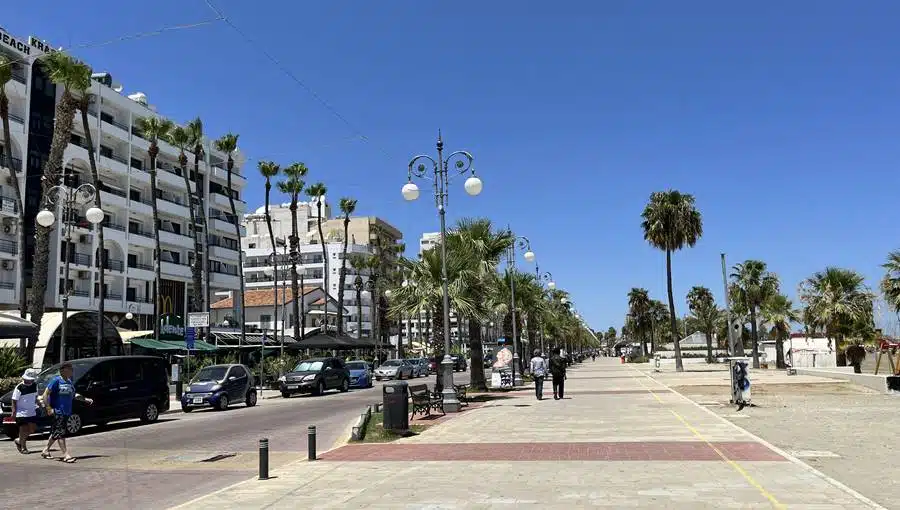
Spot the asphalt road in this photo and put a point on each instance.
(129, 465)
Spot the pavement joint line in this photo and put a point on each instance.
(734, 465)
(834, 482)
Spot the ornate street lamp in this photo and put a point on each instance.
(461, 163)
(525, 245)
(358, 286)
(70, 199)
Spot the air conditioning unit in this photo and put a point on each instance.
(9, 227)
(8, 265)
(86, 238)
(84, 275)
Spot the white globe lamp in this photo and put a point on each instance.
(551, 285)
(45, 218)
(94, 215)
(129, 316)
(473, 186)
(410, 191)
(529, 256)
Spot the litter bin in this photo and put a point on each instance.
(740, 381)
(395, 406)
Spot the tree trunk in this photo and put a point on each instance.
(157, 255)
(240, 261)
(755, 336)
(343, 279)
(476, 348)
(20, 211)
(709, 349)
(62, 132)
(295, 288)
(101, 254)
(274, 262)
(196, 269)
(679, 364)
(199, 260)
(779, 351)
(325, 260)
(437, 344)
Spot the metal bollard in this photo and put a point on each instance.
(311, 435)
(264, 459)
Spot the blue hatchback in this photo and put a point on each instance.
(360, 375)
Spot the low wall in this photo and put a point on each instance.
(875, 382)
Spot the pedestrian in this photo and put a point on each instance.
(538, 371)
(24, 408)
(593, 356)
(57, 399)
(558, 371)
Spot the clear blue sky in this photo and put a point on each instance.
(781, 117)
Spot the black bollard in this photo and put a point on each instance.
(264, 459)
(311, 435)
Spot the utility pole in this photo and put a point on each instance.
(735, 348)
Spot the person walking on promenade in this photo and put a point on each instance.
(24, 408)
(538, 371)
(58, 399)
(558, 371)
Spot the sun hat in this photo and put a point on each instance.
(29, 375)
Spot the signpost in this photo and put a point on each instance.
(198, 320)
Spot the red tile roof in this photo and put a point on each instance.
(262, 297)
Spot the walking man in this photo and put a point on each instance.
(58, 398)
(558, 371)
(538, 371)
(24, 408)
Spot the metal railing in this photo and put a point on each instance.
(114, 123)
(112, 191)
(7, 285)
(138, 265)
(138, 299)
(10, 247)
(115, 265)
(134, 229)
(114, 226)
(80, 293)
(113, 297)
(80, 258)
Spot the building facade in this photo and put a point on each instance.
(428, 241)
(121, 154)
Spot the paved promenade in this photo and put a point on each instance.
(618, 440)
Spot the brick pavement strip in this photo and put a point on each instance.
(529, 453)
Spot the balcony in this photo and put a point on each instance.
(141, 205)
(220, 200)
(18, 74)
(169, 205)
(258, 278)
(224, 280)
(114, 162)
(113, 225)
(8, 206)
(177, 270)
(8, 247)
(113, 265)
(238, 181)
(171, 238)
(8, 293)
(79, 259)
(111, 126)
(16, 163)
(113, 197)
(140, 236)
(170, 175)
(141, 271)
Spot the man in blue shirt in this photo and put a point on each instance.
(58, 397)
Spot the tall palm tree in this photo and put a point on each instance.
(7, 159)
(348, 206)
(195, 130)
(890, 283)
(779, 312)
(72, 76)
(270, 169)
(839, 302)
(610, 337)
(180, 138)
(293, 186)
(671, 221)
(705, 315)
(754, 285)
(228, 144)
(639, 312)
(155, 129)
(660, 326)
(317, 192)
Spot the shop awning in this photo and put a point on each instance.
(12, 326)
(199, 345)
(171, 345)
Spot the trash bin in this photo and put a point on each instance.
(395, 406)
(740, 380)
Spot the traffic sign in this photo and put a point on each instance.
(198, 320)
(189, 336)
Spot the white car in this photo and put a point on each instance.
(394, 369)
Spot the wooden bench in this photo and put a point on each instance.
(423, 400)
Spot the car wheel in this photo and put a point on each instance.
(151, 413)
(187, 409)
(285, 394)
(251, 398)
(345, 386)
(73, 424)
(320, 388)
(223, 403)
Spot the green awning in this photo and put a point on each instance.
(156, 345)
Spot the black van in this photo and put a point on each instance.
(122, 387)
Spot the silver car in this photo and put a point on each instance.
(420, 366)
(394, 369)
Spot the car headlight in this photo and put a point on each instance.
(282, 379)
(216, 387)
(309, 377)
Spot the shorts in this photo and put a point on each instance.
(25, 420)
(58, 426)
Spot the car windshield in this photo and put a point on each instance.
(308, 366)
(210, 374)
(357, 365)
(79, 368)
(392, 363)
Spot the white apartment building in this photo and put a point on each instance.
(122, 159)
(257, 236)
(428, 241)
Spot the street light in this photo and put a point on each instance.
(440, 167)
(358, 286)
(524, 244)
(372, 288)
(69, 199)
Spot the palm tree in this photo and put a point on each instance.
(705, 315)
(180, 138)
(838, 301)
(292, 187)
(228, 144)
(270, 169)
(72, 76)
(348, 206)
(610, 338)
(660, 326)
(317, 192)
(639, 312)
(195, 131)
(779, 312)
(7, 158)
(671, 221)
(890, 283)
(154, 130)
(754, 285)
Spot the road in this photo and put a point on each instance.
(129, 465)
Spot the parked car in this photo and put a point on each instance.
(394, 369)
(423, 367)
(459, 363)
(122, 387)
(315, 376)
(360, 375)
(219, 386)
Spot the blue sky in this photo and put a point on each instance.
(780, 117)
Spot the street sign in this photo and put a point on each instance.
(189, 336)
(198, 320)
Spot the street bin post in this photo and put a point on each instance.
(311, 442)
(264, 459)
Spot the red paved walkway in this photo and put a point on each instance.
(606, 451)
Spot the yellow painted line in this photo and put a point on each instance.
(737, 467)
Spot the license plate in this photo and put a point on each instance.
(293, 386)
(198, 400)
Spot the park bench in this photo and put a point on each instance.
(423, 400)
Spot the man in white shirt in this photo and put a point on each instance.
(538, 371)
(24, 408)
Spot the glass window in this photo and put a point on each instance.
(308, 366)
(212, 373)
(357, 365)
(237, 372)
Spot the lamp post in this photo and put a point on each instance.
(358, 286)
(524, 244)
(543, 277)
(129, 314)
(69, 199)
(273, 259)
(441, 168)
(372, 288)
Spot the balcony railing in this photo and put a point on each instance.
(138, 299)
(115, 157)
(135, 229)
(114, 265)
(257, 279)
(8, 204)
(113, 297)
(114, 226)
(137, 265)
(229, 272)
(80, 258)
(112, 191)
(10, 247)
(7, 285)
(16, 162)
(217, 241)
(114, 123)
(80, 293)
